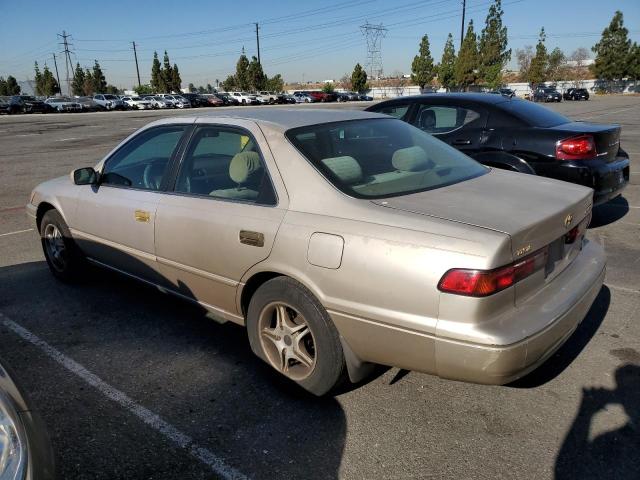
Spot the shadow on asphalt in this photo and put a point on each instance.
(613, 454)
(558, 362)
(199, 375)
(609, 212)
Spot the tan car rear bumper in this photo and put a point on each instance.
(558, 313)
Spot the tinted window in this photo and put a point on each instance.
(142, 162)
(533, 114)
(397, 111)
(379, 158)
(225, 163)
(443, 119)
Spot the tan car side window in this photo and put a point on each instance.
(225, 163)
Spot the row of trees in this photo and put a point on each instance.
(480, 60)
(249, 76)
(164, 78)
(9, 86)
(46, 83)
(90, 82)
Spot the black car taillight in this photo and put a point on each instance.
(576, 148)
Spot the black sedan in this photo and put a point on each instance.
(25, 450)
(546, 94)
(518, 135)
(576, 94)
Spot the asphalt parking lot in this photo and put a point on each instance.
(138, 385)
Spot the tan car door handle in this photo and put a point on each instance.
(142, 216)
(255, 239)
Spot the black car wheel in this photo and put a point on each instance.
(63, 256)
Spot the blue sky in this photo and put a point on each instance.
(310, 40)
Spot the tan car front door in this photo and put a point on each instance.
(222, 217)
(114, 222)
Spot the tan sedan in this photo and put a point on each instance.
(338, 239)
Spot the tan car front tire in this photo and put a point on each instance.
(63, 256)
(290, 330)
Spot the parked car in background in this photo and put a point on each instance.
(520, 136)
(211, 100)
(25, 448)
(365, 98)
(31, 104)
(5, 105)
(64, 104)
(137, 103)
(286, 98)
(181, 102)
(352, 95)
(546, 94)
(244, 98)
(262, 99)
(271, 97)
(196, 99)
(226, 98)
(159, 102)
(109, 102)
(417, 256)
(301, 97)
(576, 94)
(12, 105)
(88, 104)
(341, 97)
(507, 92)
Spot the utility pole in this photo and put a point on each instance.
(135, 55)
(67, 59)
(374, 35)
(464, 6)
(56, 65)
(258, 40)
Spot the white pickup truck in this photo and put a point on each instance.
(244, 98)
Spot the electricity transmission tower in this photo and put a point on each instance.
(67, 59)
(374, 35)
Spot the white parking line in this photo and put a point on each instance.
(215, 463)
(622, 289)
(17, 232)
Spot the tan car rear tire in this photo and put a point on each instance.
(63, 256)
(290, 330)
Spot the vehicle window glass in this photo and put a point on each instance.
(225, 163)
(397, 111)
(534, 115)
(378, 158)
(142, 162)
(443, 119)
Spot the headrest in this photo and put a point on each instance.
(411, 159)
(427, 119)
(243, 165)
(346, 168)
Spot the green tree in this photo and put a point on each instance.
(467, 63)
(3, 86)
(556, 65)
(99, 81)
(167, 74)
(209, 88)
(157, 82)
(422, 67)
(633, 62)
(143, 89)
(11, 86)
(49, 84)
(447, 67)
(538, 68)
(612, 51)
(229, 84)
(77, 85)
(38, 80)
(112, 89)
(192, 88)
(359, 79)
(492, 49)
(89, 87)
(242, 80)
(176, 81)
(275, 83)
(328, 87)
(257, 78)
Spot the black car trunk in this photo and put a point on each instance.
(606, 137)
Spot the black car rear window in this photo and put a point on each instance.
(533, 114)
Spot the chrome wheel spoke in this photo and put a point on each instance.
(299, 355)
(271, 334)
